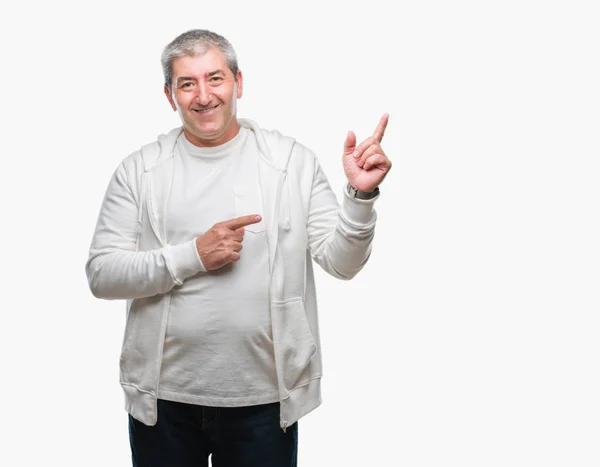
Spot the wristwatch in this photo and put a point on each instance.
(357, 194)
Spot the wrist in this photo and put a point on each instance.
(359, 194)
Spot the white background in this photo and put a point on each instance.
(472, 336)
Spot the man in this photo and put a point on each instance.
(221, 351)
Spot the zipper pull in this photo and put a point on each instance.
(284, 425)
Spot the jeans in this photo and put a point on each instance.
(185, 435)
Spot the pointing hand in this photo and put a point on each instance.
(222, 243)
(366, 165)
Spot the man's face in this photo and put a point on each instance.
(205, 94)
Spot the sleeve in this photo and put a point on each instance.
(115, 269)
(339, 237)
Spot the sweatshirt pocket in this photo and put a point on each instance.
(250, 203)
(293, 341)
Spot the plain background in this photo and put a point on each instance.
(471, 338)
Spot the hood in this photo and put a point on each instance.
(155, 153)
(275, 148)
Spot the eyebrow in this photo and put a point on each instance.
(209, 74)
(184, 78)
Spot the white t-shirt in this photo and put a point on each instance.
(218, 348)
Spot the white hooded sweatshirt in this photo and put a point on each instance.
(130, 259)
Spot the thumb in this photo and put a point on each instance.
(350, 143)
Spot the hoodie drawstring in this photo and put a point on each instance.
(286, 205)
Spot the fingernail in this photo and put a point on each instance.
(257, 218)
(355, 154)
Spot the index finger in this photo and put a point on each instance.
(242, 221)
(380, 130)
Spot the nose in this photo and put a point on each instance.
(203, 94)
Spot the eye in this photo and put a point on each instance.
(216, 79)
(186, 85)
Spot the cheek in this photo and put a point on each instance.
(181, 101)
(230, 98)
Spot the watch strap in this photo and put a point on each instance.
(357, 194)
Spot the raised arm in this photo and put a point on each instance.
(340, 237)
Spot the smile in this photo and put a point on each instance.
(204, 111)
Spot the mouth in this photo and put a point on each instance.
(205, 111)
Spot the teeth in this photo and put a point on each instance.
(206, 110)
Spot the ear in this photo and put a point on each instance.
(169, 97)
(240, 84)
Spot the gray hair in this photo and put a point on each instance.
(194, 42)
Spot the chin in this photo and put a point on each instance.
(208, 130)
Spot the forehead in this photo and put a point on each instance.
(201, 64)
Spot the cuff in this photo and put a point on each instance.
(358, 211)
(183, 260)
